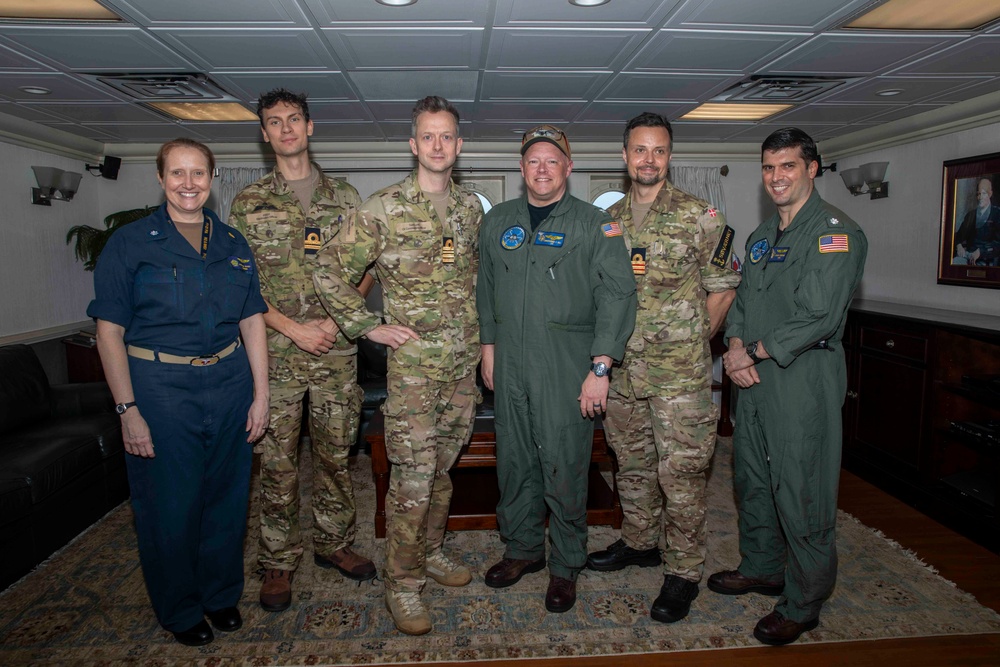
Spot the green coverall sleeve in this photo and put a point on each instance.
(735, 317)
(484, 288)
(822, 298)
(342, 263)
(613, 284)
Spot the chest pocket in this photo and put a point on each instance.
(159, 294)
(416, 253)
(669, 259)
(274, 243)
(237, 289)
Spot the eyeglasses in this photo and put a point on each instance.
(544, 133)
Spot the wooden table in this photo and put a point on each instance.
(473, 506)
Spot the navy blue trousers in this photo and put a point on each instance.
(190, 499)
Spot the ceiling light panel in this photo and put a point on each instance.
(66, 10)
(206, 111)
(929, 15)
(732, 112)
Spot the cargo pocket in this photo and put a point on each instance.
(694, 426)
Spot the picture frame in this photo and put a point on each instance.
(969, 252)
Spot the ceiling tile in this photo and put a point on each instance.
(63, 87)
(979, 55)
(850, 54)
(913, 89)
(415, 85)
(271, 12)
(758, 133)
(833, 113)
(694, 50)
(12, 61)
(557, 113)
(791, 14)
(645, 12)
(149, 132)
(623, 111)
(542, 85)
(473, 12)
(257, 49)
(99, 113)
(401, 48)
(552, 48)
(91, 48)
(666, 87)
(248, 86)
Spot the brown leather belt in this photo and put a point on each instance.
(163, 357)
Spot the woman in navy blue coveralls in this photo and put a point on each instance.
(174, 294)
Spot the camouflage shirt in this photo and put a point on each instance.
(285, 244)
(427, 269)
(681, 251)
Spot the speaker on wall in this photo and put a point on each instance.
(110, 167)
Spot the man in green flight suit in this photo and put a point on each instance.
(785, 353)
(556, 300)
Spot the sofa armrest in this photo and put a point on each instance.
(83, 398)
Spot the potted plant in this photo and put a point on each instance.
(88, 242)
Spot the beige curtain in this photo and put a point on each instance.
(703, 182)
(231, 182)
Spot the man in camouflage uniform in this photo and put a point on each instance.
(660, 419)
(421, 235)
(286, 216)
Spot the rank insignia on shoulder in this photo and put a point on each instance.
(834, 221)
(154, 233)
(834, 243)
(311, 240)
(758, 250)
(231, 235)
(639, 261)
(725, 245)
(612, 229)
(512, 237)
(553, 239)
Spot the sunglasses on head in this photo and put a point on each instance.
(544, 133)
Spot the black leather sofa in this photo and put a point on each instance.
(62, 461)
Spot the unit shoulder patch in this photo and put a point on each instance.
(720, 256)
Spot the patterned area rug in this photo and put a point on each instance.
(87, 605)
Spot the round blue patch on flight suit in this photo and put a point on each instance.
(512, 238)
(758, 250)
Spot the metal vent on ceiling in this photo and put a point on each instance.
(165, 87)
(777, 89)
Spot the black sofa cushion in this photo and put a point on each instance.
(24, 388)
(52, 455)
(15, 499)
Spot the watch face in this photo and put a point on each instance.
(600, 369)
(120, 408)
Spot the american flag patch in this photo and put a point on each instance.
(833, 243)
(611, 229)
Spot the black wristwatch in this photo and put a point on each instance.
(120, 408)
(752, 352)
(600, 369)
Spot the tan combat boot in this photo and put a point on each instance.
(445, 571)
(408, 612)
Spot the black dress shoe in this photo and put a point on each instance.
(561, 595)
(225, 620)
(198, 635)
(776, 630)
(674, 601)
(619, 555)
(508, 571)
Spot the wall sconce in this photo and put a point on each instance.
(872, 175)
(54, 184)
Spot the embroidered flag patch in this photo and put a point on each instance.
(612, 229)
(712, 213)
(833, 243)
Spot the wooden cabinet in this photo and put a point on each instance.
(919, 411)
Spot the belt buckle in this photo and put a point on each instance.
(208, 360)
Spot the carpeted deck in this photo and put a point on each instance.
(87, 605)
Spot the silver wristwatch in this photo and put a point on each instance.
(600, 369)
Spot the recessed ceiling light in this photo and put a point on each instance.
(889, 92)
(929, 15)
(67, 10)
(396, 3)
(35, 90)
(717, 111)
(206, 111)
(589, 3)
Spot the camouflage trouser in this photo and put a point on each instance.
(426, 424)
(334, 412)
(664, 447)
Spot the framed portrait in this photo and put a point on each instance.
(970, 222)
